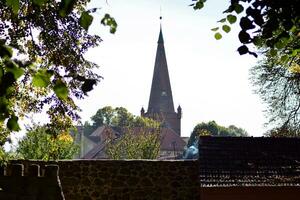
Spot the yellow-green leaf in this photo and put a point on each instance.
(39, 2)
(231, 19)
(222, 20)
(85, 20)
(14, 69)
(238, 8)
(14, 4)
(226, 28)
(12, 124)
(61, 90)
(41, 78)
(218, 36)
(107, 20)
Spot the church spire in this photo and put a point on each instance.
(161, 99)
(161, 106)
(160, 37)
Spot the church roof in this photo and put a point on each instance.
(161, 99)
(249, 161)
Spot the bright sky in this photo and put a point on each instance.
(209, 79)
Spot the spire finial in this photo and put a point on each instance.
(160, 38)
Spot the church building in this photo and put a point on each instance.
(161, 106)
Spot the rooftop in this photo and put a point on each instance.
(249, 161)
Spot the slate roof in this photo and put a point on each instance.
(249, 161)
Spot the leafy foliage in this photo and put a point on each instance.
(51, 38)
(277, 81)
(140, 136)
(213, 129)
(37, 144)
(273, 22)
(118, 118)
(141, 144)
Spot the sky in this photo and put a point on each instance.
(209, 79)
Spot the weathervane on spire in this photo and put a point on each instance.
(160, 15)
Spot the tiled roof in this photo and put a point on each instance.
(95, 153)
(249, 161)
(171, 141)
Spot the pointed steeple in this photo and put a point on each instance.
(160, 37)
(161, 106)
(161, 99)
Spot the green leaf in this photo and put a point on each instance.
(107, 20)
(42, 78)
(243, 50)
(279, 44)
(1, 72)
(231, 19)
(199, 5)
(14, 4)
(88, 85)
(6, 51)
(66, 7)
(14, 69)
(226, 28)
(273, 52)
(244, 37)
(218, 36)
(61, 90)
(238, 8)
(284, 58)
(222, 20)
(12, 124)
(295, 52)
(39, 2)
(85, 20)
(215, 29)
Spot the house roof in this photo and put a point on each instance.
(97, 152)
(171, 141)
(249, 161)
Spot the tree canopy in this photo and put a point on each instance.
(277, 81)
(273, 22)
(118, 118)
(143, 144)
(213, 129)
(42, 63)
(37, 144)
(139, 138)
(270, 28)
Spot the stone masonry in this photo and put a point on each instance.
(127, 179)
(32, 185)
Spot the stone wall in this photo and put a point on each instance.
(127, 179)
(15, 184)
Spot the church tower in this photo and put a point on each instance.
(161, 106)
